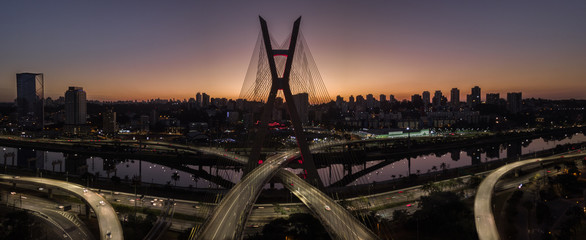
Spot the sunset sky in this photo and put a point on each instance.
(127, 50)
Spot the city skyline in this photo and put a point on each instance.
(131, 51)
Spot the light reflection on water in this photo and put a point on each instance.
(159, 174)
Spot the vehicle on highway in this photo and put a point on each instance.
(102, 203)
(85, 190)
(327, 208)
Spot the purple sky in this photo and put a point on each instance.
(173, 49)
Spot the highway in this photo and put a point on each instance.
(230, 215)
(339, 222)
(64, 223)
(228, 219)
(163, 222)
(485, 222)
(108, 222)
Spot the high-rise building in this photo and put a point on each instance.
(198, 99)
(474, 97)
(369, 101)
(382, 98)
(109, 125)
(392, 98)
(30, 99)
(455, 96)
(426, 98)
(360, 99)
(351, 99)
(492, 98)
(437, 98)
(416, 100)
(75, 111)
(205, 99)
(302, 104)
(75, 106)
(514, 102)
(339, 101)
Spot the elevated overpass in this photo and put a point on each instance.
(332, 223)
(483, 215)
(108, 222)
(228, 219)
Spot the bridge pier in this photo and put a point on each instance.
(409, 165)
(8, 155)
(50, 193)
(330, 175)
(348, 168)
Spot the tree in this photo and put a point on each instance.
(116, 180)
(430, 187)
(474, 181)
(444, 216)
(400, 216)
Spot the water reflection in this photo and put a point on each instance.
(195, 176)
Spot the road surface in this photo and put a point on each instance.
(108, 222)
(485, 223)
(229, 217)
(339, 222)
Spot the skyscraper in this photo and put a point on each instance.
(416, 100)
(369, 101)
(339, 101)
(205, 99)
(383, 98)
(30, 99)
(426, 98)
(198, 99)
(455, 96)
(514, 102)
(492, 98)
(437, 98)
(75, 106)
(360, 99)
(109, 125)
(474, 96)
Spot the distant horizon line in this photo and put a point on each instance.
(331, 100)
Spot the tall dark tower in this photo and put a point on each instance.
(30, 99)
(281, 82)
